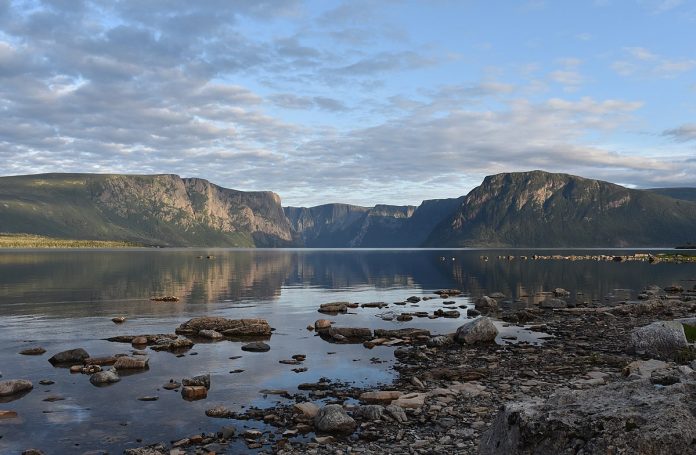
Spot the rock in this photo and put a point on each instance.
(413, 299)
(472, 313)
(665, 376)
(165, 298)
(71, 357)
(479, 330)
(662, 339)
(307, 409)
(370, 412)
(401, 333)
(397, 413)
(202, 380)
(148, 398)
(104, 378)
(14, 386)
(131, 363)
(256, 346)
(139, 341)
(334, 307)
(219, 412)
(347, 334)
(624, 417)
(118, 320)
(322, 324)
(211, 334)
(7, 414)
(448, 292)
(551, 303)
(560, 292)
(333, 418)
(380, 396)
(410, 401)
(192, 393)
(171, 385)
(33, 452)
(33, 351)
(440, 341)
(486, 304)
(497, 295)
(374, 305)
(641, 369)
(101, 361)
(228, 327)
(447, 313)
(176, 345)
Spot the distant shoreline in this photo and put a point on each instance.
(38, 241)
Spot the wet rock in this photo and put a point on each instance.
(219, 412)
(479, 330)
(118, 320)
(155, 449)
(33, 452)
(401, 333)
(333, 418)
(404, 317)
(46, 382)
(192, 393)
(211, 334)
(374, 305)
(334, 307)
(560, 292)
(139, 341)
(662, 339)
(472, 313)
(14, 386)
(228, 327)
(202, 380)
(171, 385)
(256, 346)
(625, 417)
(448, 292)
(486, 304)
(497, 295)
(131, 363)
(164, 298)
(307, 409)
(347, 334)
(177, 345)
(33, 351)
(322, 324)
(104, 378)
(101, 361)
(70, 357)
(413, 299)
(380, 396)
(447, 313)
(7, 414)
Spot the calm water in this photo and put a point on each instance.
(66, 299)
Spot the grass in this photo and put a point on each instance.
(37, 241)
(690, 332)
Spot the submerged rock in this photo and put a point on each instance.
(202, 380)
(131, 363)
(33, 351)
(479, 330)
(333, 418)
(71, 357)
(228, 327)
(179, 344)
(662, 339)
(256, 346)
(104, 378)
(347, 334)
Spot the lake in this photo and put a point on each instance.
(64, 299)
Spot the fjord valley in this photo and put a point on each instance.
(524, 209)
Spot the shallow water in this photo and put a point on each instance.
(66, 299)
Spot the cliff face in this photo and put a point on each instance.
(542, 209)
(152, 209)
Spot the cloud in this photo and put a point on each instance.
(642, 62)
(683, 133)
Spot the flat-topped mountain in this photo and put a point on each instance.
(523, 209)
(559, 210)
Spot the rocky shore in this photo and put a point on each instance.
(607, 378)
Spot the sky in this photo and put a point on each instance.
(355, 101)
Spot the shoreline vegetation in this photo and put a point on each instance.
(8, 240)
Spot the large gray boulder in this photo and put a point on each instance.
(333, 418)
(486, 304)
(660, 339)
(621, 418)
(479, 330)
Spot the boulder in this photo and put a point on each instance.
(413, 299)
(662, 339)
(228, 327)
(479, 330)
(176, 345)
(256, 346)
(347, 334)
(192, 393)
(486, 304)
(202, 380)
(131, 363)
(440, 341)
(410, 400)
(641, 369)
(307, 409)
(219, 412)
(623, 417)
(322, 324)
(560, 292)
(70, 357)
(104, 378)
(333, 418)
(211, 334)
(370, 412)
(447, 313)
(334, 307)
(551, 303)
(14, 386)
(380, 396)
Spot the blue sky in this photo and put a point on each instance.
(361, 102)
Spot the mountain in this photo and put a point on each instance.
(538, 208)
(381, 226)
(685, 194)
(162, 210)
